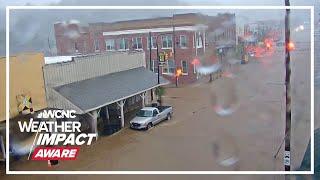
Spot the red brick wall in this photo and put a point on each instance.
(66, 37)
(65, 44)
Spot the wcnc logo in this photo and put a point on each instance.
(58, 114)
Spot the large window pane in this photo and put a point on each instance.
(166, 41)
(183, 41)
(123, 44)
(137, 43)
(153, 42)
(184, 65)
(110, 45)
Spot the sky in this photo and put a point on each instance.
(193, 2)
(34, 28)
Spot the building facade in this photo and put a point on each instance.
(183, 37)
(27, 91)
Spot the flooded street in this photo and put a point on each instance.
(198, 137)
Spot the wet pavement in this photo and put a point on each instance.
(200, 137)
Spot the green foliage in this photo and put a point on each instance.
(160, 91)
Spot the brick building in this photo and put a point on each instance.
(186, 36)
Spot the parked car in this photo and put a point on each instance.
(150, 116)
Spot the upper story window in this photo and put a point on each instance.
(153, 42)
(137, 43)
(184, 65)
(198, 40)
(123, 44)
(166, 41)
(168, 67)
(183, 41)
(96, 45)
(110, 44)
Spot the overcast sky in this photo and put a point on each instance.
(32, 29)
(191, 2)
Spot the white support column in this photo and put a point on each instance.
(121, 104)
(94, 123)
(107, 112)
(143, 97)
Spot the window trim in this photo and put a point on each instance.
(96, 45)
(114, 44)
(186, 38)
(153, 62)
(167, 41)
(126, 49)
(186, 67)
(137, 44)
(155, 37)
(168, 68)
(200, 40)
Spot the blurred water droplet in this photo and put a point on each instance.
(223, 111)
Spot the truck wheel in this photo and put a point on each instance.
(149, 126)
(168, 116)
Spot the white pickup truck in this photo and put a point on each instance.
(150, 116)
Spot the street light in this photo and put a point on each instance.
(178, 73)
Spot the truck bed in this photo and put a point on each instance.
(162, 108)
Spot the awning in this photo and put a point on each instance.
(91, 94)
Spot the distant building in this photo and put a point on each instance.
(264, 29)
(186, 36)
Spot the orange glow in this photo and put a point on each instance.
(178, 72)
(291, 46)
(268, 45)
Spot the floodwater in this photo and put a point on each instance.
(199, 137)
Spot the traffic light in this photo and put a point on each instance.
(162, 57)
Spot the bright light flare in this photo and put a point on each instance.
(291, 46)
(178, 72)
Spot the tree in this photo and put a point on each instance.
(160, 91)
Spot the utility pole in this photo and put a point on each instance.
(150, 51)
(174, 45)
(150, 61)
(158, 58)
(287, 147)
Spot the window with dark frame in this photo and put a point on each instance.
(96, 45)
(184, 66)
(183, 41)
(166, 41)
(110, 44)
(137, 43)
(153, 42)
(123, 44)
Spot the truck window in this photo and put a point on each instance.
(144, 113)
(155, 112)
